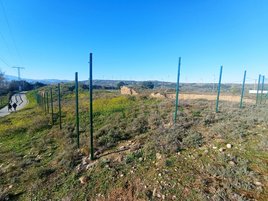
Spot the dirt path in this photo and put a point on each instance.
(20, 99)
(210, 97)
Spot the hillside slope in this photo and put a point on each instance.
(140, 153)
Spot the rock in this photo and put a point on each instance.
(174, 197)
(140, 159)
(229, 146)
(158, 156)
(85, 160)
(179, 153)
(221, 149)
(154, 192)
(83, 179)
(90, 165)
(232, 163)
(38, 158)
(214, 147)
(159, 195)
(122, 148)
(257, 183)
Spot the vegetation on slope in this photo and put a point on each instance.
(140, 154)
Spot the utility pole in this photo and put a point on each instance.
(18, 68)
(19, 78)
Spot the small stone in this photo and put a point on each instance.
(159, 175)
(257, 183)
(221, 149)
(83, 179)
(158, 156)
(140, 159)
(154, 192)
(122, 148)
(214, 147)
(229, 146)
(174, 197)
(121, 175)
(85, 161)
(232, 163)
(38, 158)
(179, 153)
(159, 195)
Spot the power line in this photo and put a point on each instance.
(6, 43)
(4, 62)
(10, 30)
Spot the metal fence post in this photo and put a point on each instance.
(51, 99)
(262, 87)
(59, 101)
(258, 88)
(219, 91)
(177, 91)
(77, 109)
(91, 107)
(47, 102)
(243, 89)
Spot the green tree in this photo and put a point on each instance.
(147, 85)
(120, 84)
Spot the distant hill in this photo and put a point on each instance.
(45, 81)
(189, 87)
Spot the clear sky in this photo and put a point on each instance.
(135, 39)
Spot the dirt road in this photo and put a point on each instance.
(20, 99)
(210, 97)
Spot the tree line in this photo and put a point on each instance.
(10, 87)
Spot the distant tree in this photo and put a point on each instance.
(120, 84)
(3, 84)
(38, 85)
(25, 86)
(2, 79)
(147, 85)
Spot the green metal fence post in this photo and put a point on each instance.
(76, 109)
(219, 91)
(177, 91)
(243, 89)
(91, 107)
(258, 88)
(59, 101)
(262, 87)
(51, 99)
(45, 102)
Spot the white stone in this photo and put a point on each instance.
(158, 156)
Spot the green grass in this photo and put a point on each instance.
(3, 101)
(40, 162)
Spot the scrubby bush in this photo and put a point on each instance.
(193, 139)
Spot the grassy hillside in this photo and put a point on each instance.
(140, 153)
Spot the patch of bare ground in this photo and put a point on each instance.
(231, 98)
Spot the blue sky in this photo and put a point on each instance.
(135, 39)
